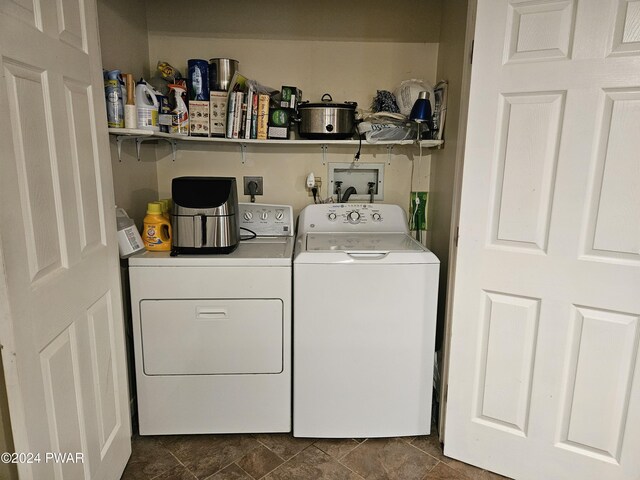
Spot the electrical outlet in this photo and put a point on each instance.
(258, 180)
(318, 184)
(418, 211)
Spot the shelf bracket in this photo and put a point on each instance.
(141, 140)
(324, 148)
(174, 147)
(243, 152)
(389, 151)
(119, 140)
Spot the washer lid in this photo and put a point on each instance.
(362, 247)
(360, 242)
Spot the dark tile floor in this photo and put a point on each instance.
(283, 457)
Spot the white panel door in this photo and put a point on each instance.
(60, 316)
(544, 380)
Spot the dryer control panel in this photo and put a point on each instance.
(266, 220)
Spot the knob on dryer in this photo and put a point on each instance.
(248, 215)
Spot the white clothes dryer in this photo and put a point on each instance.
(365, 298)
(212, 333)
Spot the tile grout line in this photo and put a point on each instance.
(234, 461)
(339, 460)
(267, 447)
(177, 460)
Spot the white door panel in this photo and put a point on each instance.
(61, 326)
(544, 369)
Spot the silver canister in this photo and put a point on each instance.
(221, 72)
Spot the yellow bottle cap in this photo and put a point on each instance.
(154, 208)
(165, 204)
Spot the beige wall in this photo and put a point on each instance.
(348, 70)
(124, 45)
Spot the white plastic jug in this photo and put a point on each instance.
(129, 240)
(147, 105)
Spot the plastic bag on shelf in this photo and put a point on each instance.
(387, 127)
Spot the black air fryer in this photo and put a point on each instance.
(204, 215)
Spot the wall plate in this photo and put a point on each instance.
(357, 175)
(246, 180)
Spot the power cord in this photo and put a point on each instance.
(415, 217)
(314, 191)
(253, 234)
(356, 157)
(253, 189)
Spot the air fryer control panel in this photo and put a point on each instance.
(266, 220)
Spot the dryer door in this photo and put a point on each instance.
(211, 336)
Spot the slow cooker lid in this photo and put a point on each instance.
(327, 101)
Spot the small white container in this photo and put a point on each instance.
(129, 240)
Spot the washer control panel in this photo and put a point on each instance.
(266, 220)
(354, 214)
(352, 218)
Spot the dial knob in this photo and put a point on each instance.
(248, 215)
(376, 217)
(279, 214)
(354, 216)
(264, 215)
(332, 216)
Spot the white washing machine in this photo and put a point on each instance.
(364, 324)
(212, 333)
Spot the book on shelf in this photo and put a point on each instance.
(254, 116)
(263, 117)
(237, 117)
(247, 117)
(231, 102)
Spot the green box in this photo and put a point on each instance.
(418, 211)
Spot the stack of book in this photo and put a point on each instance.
(248, 109)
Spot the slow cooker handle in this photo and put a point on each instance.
(328, 100)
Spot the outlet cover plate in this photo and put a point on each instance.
(418, 219)
(258, 180)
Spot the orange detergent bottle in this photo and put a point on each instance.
(156, 233)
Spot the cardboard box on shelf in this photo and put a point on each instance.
(199, 118)
(279, 132)
(290, 97)
(217, 113)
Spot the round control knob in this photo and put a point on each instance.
(332, 216)
(279, 214)
(248, 215)
(264, 215)
(354, 216)
(376, 217)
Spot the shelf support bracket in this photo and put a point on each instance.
(324, 148)
(174, 147)
(389, 151)
(243, 152)
(119, 140)
(141, 140)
